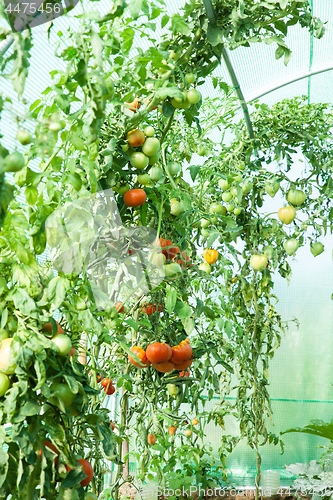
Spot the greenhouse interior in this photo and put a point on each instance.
(166, 278)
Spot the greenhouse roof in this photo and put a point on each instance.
(255, 66)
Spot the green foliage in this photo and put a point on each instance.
(81, 125)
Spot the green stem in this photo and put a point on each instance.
(33, 482)
(167, 127)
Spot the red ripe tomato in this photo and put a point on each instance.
(170, 253)
(51, 446)
(87, 469)
(158, 353)
(151, 439)
(140, 353)
(112, 425)
(181, 352)
(150, 309)
(120, 308)
(165, 367)
(172, 430)
(108, 387)
(185, 373)
(106, 382)
(135, 197)
(184, 365)
(134, 105)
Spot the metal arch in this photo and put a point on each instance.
(212, 20)
(288, 81)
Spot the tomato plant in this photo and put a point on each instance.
(137, 107)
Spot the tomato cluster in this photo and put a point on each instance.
(108, 386)
(163, 357)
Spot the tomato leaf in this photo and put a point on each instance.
(179, 25)
(23, 301)
(212, 238)
(182, 310)
(75, 476)
(97, 47)
(188, 324)
(214, 35)
(194, 170)
(4, 466)
(72, 383)
(4, 317)
(132, 323)
(56, 291)
(40, 371)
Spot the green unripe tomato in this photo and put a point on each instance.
(224, 184)
(139, 160)
(177, 207)
(89, 495)
(24, 137)
(154, 159)
(205, 267)
(247, 187)
(55, 126)
(155, 174)
(149, 131)
(316, 248)
(230, 207)
(217, 208)
(143, 179)
(173, 168)
(296, 197)
(180, 102)
(259, 262)
(290, 246)
(193, 96)
(272, 189)
(237, 211)
(190, 78)
(205, 223)
(63, 392)
(4, 383)
(204, 232)
(227, 196)
(121, 188)
(172, 269)
(151, 146)
(63, 343)
(174, 56)
(14, 162)
(201, 151)
(172, 389)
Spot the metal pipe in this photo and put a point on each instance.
(288, 81)
(238, 91)
(5, 44)
(212, 20)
